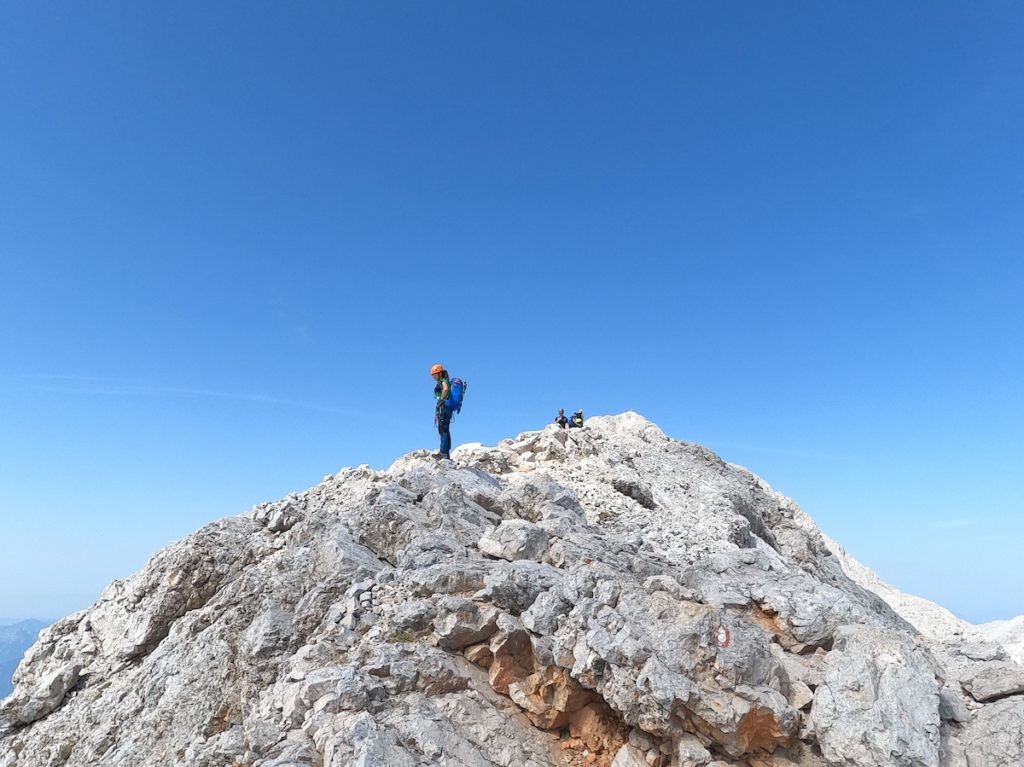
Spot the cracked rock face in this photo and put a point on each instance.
(878, 701)
(597, 596)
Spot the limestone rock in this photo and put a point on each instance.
(878, 702)
(995, 738)
(480, 654)
(995, 679)
(982, 651)
(515, 539)
(601, 596)
(550, 696)
(277, 518)
(688, 751)
(464, 623)
(628, 756)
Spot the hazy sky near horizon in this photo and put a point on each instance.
(234, 236)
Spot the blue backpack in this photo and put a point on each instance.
(454, 401)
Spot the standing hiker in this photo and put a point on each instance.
(448, 395)
(442, 414)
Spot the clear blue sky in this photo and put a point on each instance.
(234, 236)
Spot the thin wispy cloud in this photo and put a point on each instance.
(106, 387)
(953, 523)
(295, 318)
(917, 211)
(782, 451)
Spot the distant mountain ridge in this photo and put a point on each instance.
(15, 638)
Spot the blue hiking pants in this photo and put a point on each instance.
(444, 421)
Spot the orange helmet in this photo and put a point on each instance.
(438, 368)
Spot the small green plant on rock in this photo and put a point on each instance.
(402, 635)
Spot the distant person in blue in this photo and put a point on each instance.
(442, 413)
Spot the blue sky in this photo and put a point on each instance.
(235, 236)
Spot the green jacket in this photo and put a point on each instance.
(442, 389)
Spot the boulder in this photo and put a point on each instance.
(462, 622)
(878, 702)
(992, 680)
(515, 539)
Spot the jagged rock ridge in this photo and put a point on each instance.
(598, 596)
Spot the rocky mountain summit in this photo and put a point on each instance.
(600, 596)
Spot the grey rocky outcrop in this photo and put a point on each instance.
(992, 680)
(878, 701)
(515, 539)
(598, 596)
